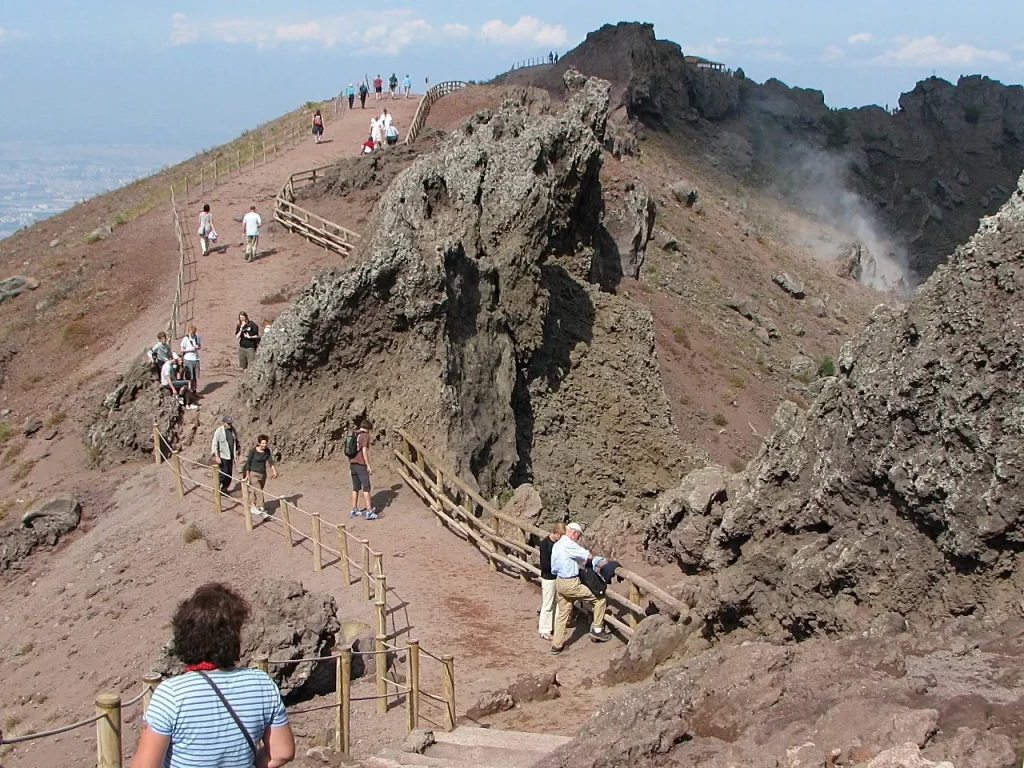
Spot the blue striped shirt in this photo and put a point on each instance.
(203, 733)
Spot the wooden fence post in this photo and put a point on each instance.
(263, 141)
(151, 681)
(378, 563)
(287, 523)
(157, 448)
(382, 590)
(634, 597)
(318, 562)
(345, 685)
(245, 506)
(413, 702)
(108, 731)
(366, 568)
(238, 160)
(186, 189)
(216, 488)
(202, 179)
(380, 615)
(252, 154)
(346, 573)
(262, 662)
(176, 464)
(381, 658)
(215, 174)
(449, 692)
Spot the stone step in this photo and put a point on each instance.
(391, 758)
(469, 736)
(493, 757)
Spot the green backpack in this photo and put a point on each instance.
(351, 446)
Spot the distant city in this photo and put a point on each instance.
(38, 180)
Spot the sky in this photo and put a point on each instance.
(195, 75)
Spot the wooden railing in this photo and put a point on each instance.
(186, 264)
(307, 224)
(506, 541)
(423, 110)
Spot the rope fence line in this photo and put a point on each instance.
(465, 512)
(371, 576)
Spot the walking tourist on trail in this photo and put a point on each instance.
(546, 625)
(207, 234)
(251, 224)
(223, 449)
(357, 449)
(216, 713)
(191, 346)
(391, 135)
(351, 93)
(160, 352)
(407, 86)
(363, 91)
(386, 119)
(248, 335)
(377, 132)
(254, 472)
(566, 559)
(318, 126)
(171, 376)
(378, 88)
(393, 85)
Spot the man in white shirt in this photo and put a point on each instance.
(567, 556)
(251, 224)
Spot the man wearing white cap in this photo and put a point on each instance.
(566, 558)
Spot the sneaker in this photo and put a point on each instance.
(192, 407)
(555, 650)
(599, 635)
(181, 400)
(371, 515)
(545, 636)
(355, 513)
(264, 514)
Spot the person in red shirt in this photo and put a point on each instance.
(378, 88)
(368, 145)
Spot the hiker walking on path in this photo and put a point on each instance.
(363, 91)
(318, 126)
(378, 88)
(191, 346)
(407, 86)
(207, 234)
(251, 224)
(351, 93)
(223, 449)
(217, 712)
(377, 132)
(248, 335)
(546, 625)
(566, 559)
(254, 472)
(357, 450)
(172, 378)
(393, 85)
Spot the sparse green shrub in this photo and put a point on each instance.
(192, 533)
(679, 334)
(75, 333)
(23, 469)
(54, 418)
(738, 380)
(720, 420)
(760, 360)
(737, 465)
(5, 431)
(827, 367)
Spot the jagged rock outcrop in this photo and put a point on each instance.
(122, 427)
(479, 318)
(901, 489)
(44, 524)
(927, 171)
(287, 622)
(632, 225)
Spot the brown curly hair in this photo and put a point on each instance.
(208, 626)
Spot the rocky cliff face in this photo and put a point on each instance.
(949, 155)
(899, 491)
(476, 319)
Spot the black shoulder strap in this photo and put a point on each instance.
(231, 711)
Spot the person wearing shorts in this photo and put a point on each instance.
(191, 344)
(251, 224)
(318, 126)
(359, 467)
(378, 87)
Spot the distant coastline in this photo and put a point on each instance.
(39, 180)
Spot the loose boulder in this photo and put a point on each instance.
(43, 524)
(791, 285)
(653, 642)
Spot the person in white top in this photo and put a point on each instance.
(377, 132)
(170, 377)
(251, 224)
(566, 558)
(191, 344)
(386, 118)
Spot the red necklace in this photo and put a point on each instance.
(202, 666)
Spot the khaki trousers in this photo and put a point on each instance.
(569, 590)
(546, 625)
(257, 482)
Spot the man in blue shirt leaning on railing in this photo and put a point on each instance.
(566, 558)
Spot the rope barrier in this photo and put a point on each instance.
(65, 728)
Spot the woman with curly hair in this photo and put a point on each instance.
(216, 714)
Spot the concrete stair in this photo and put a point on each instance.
(468, 747)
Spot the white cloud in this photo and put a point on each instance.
(386, 33)
(719, 48)
(7, 35)
(832, 53)
(931, 51)
(860, 37)
(529, 31)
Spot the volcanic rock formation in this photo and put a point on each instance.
(899, 491)
(479, 317)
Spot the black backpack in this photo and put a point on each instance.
(351, 446)
(593, 581)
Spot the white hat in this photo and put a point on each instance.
(574, 527)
